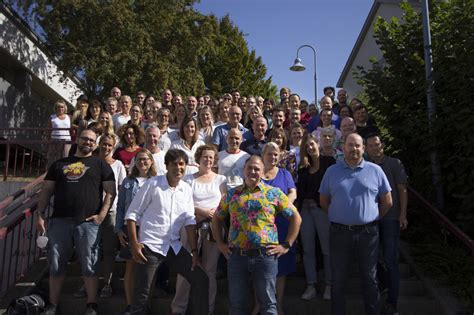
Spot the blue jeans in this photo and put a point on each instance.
(259, 270)
(345, 245)
(65, 234)
(389, 243)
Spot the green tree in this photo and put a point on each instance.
(396, 92)
(147, 45)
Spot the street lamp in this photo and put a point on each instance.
(298, 66)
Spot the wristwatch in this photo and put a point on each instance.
(286, 245)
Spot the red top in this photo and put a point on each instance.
(124, 156)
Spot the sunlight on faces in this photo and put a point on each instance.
(176, 169)
(207, 159)
(347, 126)
(106, 146)
(353, 148)
(130, 137)
(189, 130)
(87, 142)
(143, 162)
(234, 139)
(253, 171)
(326, 103)
(271, 155)
(296, 134)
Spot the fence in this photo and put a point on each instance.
(18, 250)
(28, 150)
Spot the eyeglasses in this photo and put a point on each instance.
(86, 139)
(143, 159)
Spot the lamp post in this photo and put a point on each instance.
(298, 66)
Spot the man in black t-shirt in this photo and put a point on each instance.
(77, 183)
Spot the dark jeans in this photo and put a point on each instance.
(389, 273)
(259, 271)
(181, 263)
(346, 245)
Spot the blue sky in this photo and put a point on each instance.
(276, 28)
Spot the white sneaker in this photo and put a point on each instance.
(309, 293)
(327, 293)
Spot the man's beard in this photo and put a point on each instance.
(85, 149)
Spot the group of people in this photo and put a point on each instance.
(183, 183)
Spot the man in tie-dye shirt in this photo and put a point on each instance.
(253, 246)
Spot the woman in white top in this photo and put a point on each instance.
(59, 120)
(206, 124)
(189, 141)
(109, 241)
(208, 189)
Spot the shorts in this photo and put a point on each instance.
(126, 251)
(65, 235)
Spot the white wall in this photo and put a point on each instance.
(24, 50)
(369, 48)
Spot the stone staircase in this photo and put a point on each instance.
(413, 297)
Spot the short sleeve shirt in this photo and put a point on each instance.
(252, 215)
(354, 192)
(78, 189)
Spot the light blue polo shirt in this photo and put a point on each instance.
(354, 192)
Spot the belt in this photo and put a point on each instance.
(262, 251)
(354, 227)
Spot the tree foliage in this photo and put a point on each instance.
(396, 91)
(148, 45)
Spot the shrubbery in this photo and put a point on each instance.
(396, 93)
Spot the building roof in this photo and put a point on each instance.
(363, 33)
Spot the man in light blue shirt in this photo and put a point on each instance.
(219, 137)
(355, 193)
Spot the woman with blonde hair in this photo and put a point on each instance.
(108, 239)
(143, 169)
(311, 170)
(205, 123)
(252, 113)
(59, 120)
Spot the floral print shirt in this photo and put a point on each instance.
(252, 215)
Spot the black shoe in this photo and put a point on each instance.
(92, 309)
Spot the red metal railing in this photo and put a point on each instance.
(26, 150)
(443, 220)
(18, 250)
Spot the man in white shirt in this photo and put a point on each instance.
(232, 160)
(164, 205)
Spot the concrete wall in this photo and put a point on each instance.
(30, 81)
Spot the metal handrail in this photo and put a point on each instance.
(443, 220)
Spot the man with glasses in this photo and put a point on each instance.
(77, 183)
(220, 133)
